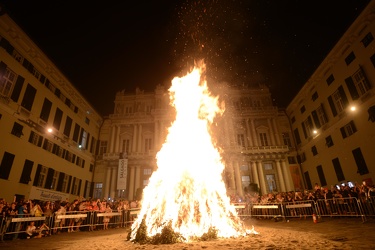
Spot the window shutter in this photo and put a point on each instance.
(332, 105)
(316, 119)
(352, 89)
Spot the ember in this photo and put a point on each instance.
(187, 192)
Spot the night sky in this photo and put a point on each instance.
(106, 46)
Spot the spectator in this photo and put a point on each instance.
(106, 219)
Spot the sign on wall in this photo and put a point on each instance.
(42, 194)
(122, 174)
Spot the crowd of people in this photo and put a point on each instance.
(54, 223)
(358, 191)
(51, 211)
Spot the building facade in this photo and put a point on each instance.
(332, 116)
(48, 131)
(255, 137)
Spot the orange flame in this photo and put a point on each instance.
(187, 189)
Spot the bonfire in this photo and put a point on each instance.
(186, 196)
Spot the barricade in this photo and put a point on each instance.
(340, 207)
(266, 210)
(17, 224)
(242, 209)
(368, 205)
(299, 209)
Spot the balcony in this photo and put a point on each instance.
(259, 149)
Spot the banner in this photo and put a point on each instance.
(122, 174)
(42, 194)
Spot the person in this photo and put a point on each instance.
(106, 219)
(33, 232)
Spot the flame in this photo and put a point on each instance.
(187, 189)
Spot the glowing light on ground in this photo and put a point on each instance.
(187, 189)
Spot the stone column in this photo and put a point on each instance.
(106, 191)
(288, 179)
(113, 182)
(117, 139)
(261, 178)
(112, 139)
(238, 179)
(277, 135)
(231, 176)
(272, 135)
(156, 135)
(255, 173)
(255, 136)
(134, 144)
(248, 133)
(137, 178)
(281, 176)
(139, 141)
(131, 182)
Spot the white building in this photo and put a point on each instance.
(34, 97)
(254, 134)
(330, 115)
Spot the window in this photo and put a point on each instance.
(348, 129)
(360, 161)
(241, 140)
(329, 141)
(338, 101)
(65, 183)
(314, 96)
(367, 39)
(292, 160)
(57, 119)
(126, 146)
(361, 83)
(7, 82)
(46, 109)
(303, 109)
(321, 175)
(49, 178)
(371, 113)
(148, 109)
(26, 172)
(77, 128)
(40, 176)
(91, 167)
(103, 147)
(307, 127)
(48, 145)
(148, 144)
(330, 79)
(339, 174)
(308, 180)
(286, 139)
(147, 171)
(68, 126)
(98, 188)
(35, 139)
(54, 180)
(28, 98)
(87, 121)
(319, 116)
(293, 120)
(350, 58)
(245, 180)
(268, 166)
(297, 136)
(314, 150)
(6, 165)
(17, 129)
(82, 139)
(128, 110)
(263, 139)
(244, 168)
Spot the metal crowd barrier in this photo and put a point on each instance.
(93, 220)
(336, 207)
(71, 221)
